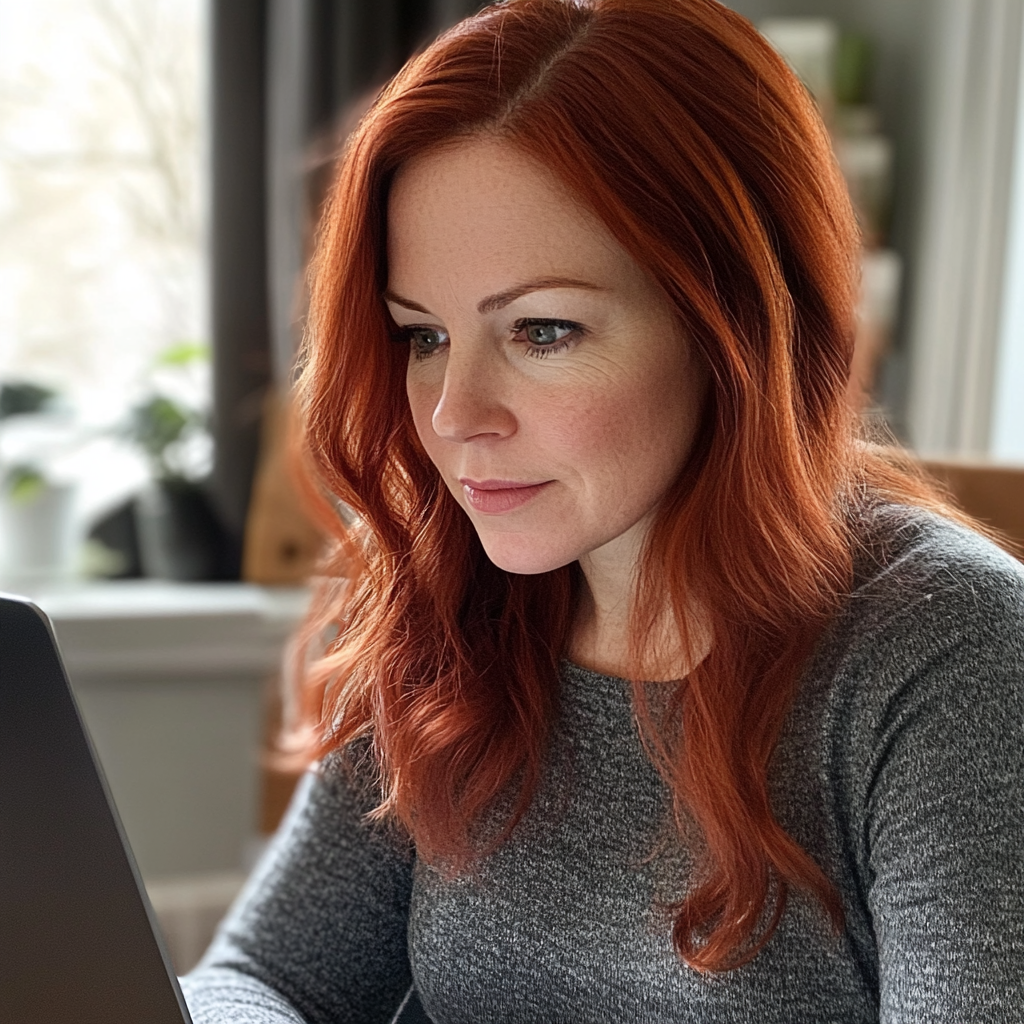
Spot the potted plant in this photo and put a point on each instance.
(37, 529)
(179, 536)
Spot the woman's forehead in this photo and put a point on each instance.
(484, 210)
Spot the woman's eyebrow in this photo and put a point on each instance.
(390, 296)
(501, 299)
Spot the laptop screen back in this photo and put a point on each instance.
(76, 940)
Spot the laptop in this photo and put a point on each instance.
(79, 943)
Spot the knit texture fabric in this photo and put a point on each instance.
(900, 770)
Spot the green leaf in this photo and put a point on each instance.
(183, 353)
(158, 423)
(24, 483)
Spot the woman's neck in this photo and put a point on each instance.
(602, 631)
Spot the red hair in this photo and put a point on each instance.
(681, 128)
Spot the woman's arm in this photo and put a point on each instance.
(319, 933)
(226, 997)
(944, 821)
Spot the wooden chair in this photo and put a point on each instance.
(994, 494)
(281, 544)
(281, 549)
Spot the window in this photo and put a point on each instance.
(1008, 416)
(102, 212)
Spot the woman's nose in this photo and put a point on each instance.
(474, 401)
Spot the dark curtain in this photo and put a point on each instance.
(283, 74)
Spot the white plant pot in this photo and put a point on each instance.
(38, 536)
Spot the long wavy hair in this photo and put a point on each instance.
(683, 130)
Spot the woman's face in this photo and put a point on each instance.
(548, 378)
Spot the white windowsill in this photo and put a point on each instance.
(160, 629)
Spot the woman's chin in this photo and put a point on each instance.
(525, 559)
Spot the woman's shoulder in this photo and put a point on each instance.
(909, 559)
(934, 627)
(934, 621)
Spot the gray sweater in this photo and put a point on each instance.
(901, 770)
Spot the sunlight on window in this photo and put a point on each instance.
(102, 205)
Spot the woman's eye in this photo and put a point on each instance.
(424, 341)
(547, 336)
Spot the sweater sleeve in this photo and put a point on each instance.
(319, 932)
(943, 823)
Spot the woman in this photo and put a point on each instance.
(581, 328)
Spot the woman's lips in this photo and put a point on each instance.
(493, 497)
